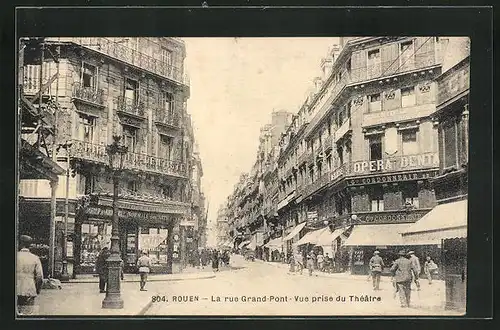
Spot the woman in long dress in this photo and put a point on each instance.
(215, 261)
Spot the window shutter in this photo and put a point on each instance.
(424, 51)
(81, 73)
(358, 65)
(389, 55)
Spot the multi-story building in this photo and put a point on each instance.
(446, 225)
(251, 208)
(222, 226)
(134, 88)
(365, 144)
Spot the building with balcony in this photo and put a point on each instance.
(134, 88)
(446, 225)
(364, 143)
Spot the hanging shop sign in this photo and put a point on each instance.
(392, 178)
(400, 163)
(107, 213)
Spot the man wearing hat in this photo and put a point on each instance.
(416, 268)
(376, 266)
(402, 272)
(29, 275)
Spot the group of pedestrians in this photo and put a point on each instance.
(405, 270)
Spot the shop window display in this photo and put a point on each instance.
(154, 240)
(94, 238)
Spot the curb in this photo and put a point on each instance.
(149, 279)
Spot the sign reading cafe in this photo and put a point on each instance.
(397, 163)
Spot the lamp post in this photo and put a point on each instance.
(113, 297)
(64, 274)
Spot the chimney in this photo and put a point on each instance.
(326, 67)
(318, 82)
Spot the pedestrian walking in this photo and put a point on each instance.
(29, 277)
(101, 267)
(321, 260)
(402, 272)
(215, 261)
(415, 268)
(376, 265)
(144, 266)
(430, 269)
(310, 262)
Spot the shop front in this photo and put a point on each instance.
(140, 230)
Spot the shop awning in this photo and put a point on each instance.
(274, 244)
(444, 221)
(244, 243)
(312, 237)
(327, 237)
(295, 231)
(285, 202)
(377, 235)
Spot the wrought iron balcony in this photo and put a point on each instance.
(163, 117)
(131, 56)
(133, 161)
(88, 94)
(131, 106)
(319, 183)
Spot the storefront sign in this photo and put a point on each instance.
(393, 216)
(151, 242)
(397, 163)
(392, 178)
(106, 213)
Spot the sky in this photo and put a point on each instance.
(236, 83)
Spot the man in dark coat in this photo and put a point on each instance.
(402, 271)
(101, 267)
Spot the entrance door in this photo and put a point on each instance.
(455, 272)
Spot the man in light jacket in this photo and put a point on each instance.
(402, 272)
(376, 266)
(144, 265)
(29, 277)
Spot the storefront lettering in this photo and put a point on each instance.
(397, 163)
(392, 178)
(392, 218)
(104, 212)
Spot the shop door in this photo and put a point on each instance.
(129, 248)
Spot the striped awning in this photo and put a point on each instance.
(244, 243)
(327, 237)
(274, 244)
(377, 235)
(295, 231)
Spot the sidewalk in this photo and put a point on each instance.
(81, 297)
(187, 274)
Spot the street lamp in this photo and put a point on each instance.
(64, 274)
(113, 297)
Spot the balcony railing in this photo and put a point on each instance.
(319, 183)
(131, 56)
(141, 162)
(88, 94)
(166, 118)
(131, 106)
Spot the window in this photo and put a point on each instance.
(344, 114)
(166, 56)
(340, 152)
(374, 68)
(410, 196)
(450, 143)
(406, 55)
(132, 186)
(165, 147)
(130, 137)
(408, 97)
(167, 102)
(377, 199)
(86, 126)
(375, 103)
(89, 183)
(375, 147)
(166, 191)
(374, 55)
(409, 142)
(131, 91)
(88, 77)
(329, 162)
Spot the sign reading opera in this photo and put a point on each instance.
(400, 163)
